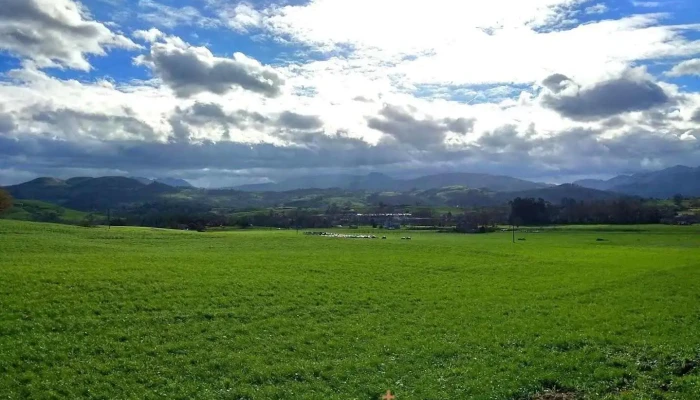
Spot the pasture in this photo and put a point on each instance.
(260, 314)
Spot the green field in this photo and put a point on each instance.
(35, 210)
(146, 313)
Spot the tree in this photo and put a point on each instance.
(530, 211)
(5, 201)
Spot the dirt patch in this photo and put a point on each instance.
(554, 395)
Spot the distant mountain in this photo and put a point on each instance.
(659, 184)
(173, 182)
(379, 182)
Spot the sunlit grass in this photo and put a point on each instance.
(265, 314)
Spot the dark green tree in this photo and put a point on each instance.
(5, 201)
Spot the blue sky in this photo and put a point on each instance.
(249, 91)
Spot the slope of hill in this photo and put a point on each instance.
(35, 210)
(660, 184)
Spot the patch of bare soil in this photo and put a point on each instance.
(554, 395)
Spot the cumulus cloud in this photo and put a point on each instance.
(201, 120)
(402, 125)
(93, 125)
(688, 67)
(603, 99)
(186, 121)
(242, 17)
(190, 70)
(55, 33)
(151, 35)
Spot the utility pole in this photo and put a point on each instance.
(109, 219)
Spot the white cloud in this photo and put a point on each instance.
(687, 67)
(629, 92)
(446, 42)
(242, 17)
(152, 35)
(326, 22)
(55, 33)
(190, 70)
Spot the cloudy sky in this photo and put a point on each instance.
(225, 92)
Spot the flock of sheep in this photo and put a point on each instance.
(344, 236)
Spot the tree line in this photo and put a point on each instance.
(520, 211)
(530, 211)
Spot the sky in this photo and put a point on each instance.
(228, 92)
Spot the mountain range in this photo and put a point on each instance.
(656, 184)
(379, 182)
(659, 184)
(100, 194)
(453, 189)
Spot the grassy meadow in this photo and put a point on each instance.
(35, 210)
(264, 314)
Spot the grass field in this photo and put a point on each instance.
(146, 313)
(35, 210)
